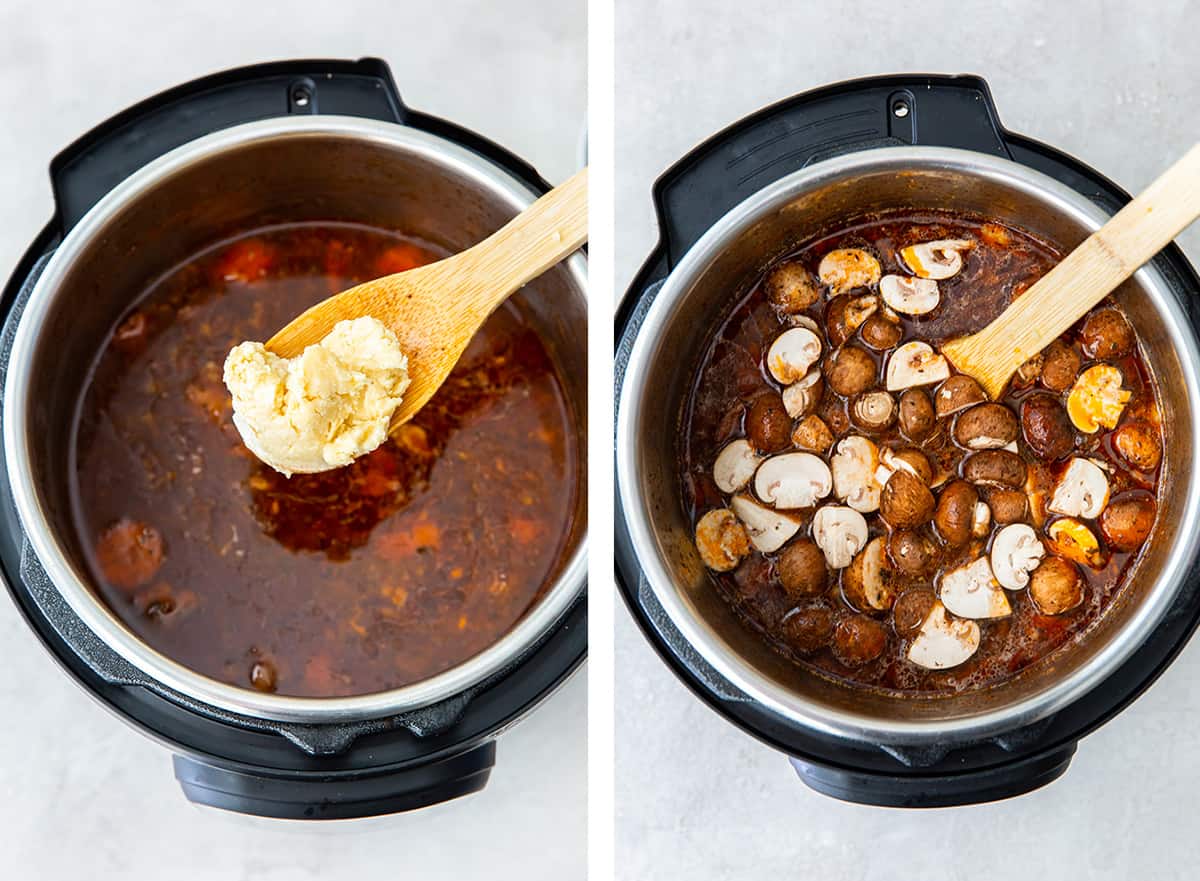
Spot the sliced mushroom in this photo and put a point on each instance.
(721, 540)
(938, 260)
(909, 296)
(802, 395)
(801, 320)
(987, 426)
(1016, 551)
(845, 315)
(854, 466)
(769, 530)
(865, 582)
(972, 592)
(792, 354)
(812, 434)
(1082, 491)
(914, 364)
(735, 465)
(840, 533)
(1097, 399)
(848, 268)
(1071, 539)
(793, 480)
(791, 287)
(943, 642)
(981, 520)
(957, 393)
(873, 411)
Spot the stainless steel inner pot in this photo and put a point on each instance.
(704, 287)
(289, 169)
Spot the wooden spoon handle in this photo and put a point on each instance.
(1088, 274)
(553, 227)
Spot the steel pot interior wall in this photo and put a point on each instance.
(295, 170)
(695, 300)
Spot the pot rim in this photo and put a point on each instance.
(632, 421)
(73, 586)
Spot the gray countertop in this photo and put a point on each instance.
(83, 795)
(696, 799)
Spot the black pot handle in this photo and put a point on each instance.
(936, 790)
(336, 797)
(930, 110)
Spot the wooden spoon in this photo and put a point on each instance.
(434, 310)
(1085, 277)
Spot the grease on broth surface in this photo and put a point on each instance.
(374, 576)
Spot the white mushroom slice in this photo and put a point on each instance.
(981, 520)
(914, 364)
(854, 466)
(1082, 491)
(840, 533)
(865, 576)
(972, 592)
(801, 320)
(890, 460)
(937, 260)
(943, 642)
(1016, 551)
(909, 296)
(793, 480)
(848, 268)
(769, 530)
(792, 353)
(721, 540)
(800, 396)
(735, 465)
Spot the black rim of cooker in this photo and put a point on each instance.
(294, 771)
(864, 114)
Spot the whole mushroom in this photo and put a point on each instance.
(995, 468)
(801, 569)
(911, 552)
(850, 371)
(1046, 427)
(1056, 586)
(791, 287)
(1106, 335)
(917, 417)
(1127, 522)
(955, 512)
(985, 427)
(956, 394)
(845, 315)
(858, 640)
(768, 425)
(906, 502)
(1138, 443)
(1060, 366)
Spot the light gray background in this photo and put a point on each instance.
(697, 799)
(81, 794)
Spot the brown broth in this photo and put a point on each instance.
(370, 577)
(1003, 264)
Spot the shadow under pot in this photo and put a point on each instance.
(321, 646)
(818, 656)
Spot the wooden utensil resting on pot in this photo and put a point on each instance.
(1088, 274)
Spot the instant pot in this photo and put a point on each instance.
(725, 212)
(290, 141)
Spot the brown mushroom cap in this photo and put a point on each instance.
(1056, 586)
(911, 552)
(1060, 366)
(957, 393)
(1127, 521)
(911, 609)
(809, 629)
(859, 639)
(906, 502)
(767, 423)
(1106, 335)
(954, 515)
(850, 371)
(995, 468)
(917, 417)
(801, 569)
(987, 426)
(880, 332)
(1138, 443)
(1046, 427)
(1007, 505)
(845, 315)
(791, 287)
